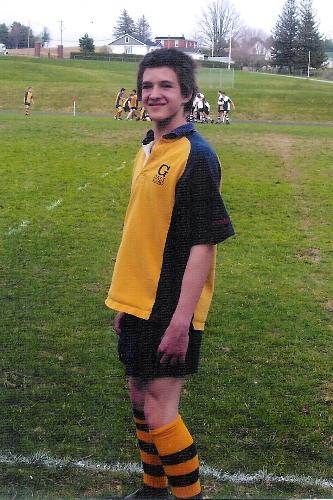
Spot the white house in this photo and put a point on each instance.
(132, 44)
(195, 53)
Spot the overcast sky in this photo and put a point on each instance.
(171, 17)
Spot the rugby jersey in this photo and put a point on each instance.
(175, 203)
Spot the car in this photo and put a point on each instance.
(3, 50)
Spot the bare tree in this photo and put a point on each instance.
(218, 22)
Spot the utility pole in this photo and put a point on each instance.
(309, 63)
(229, 63)
(29, 35)
(61, 28)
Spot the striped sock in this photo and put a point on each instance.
(154, 475)
(179, 457)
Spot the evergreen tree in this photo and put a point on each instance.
(285, 37)
(309, 39)
(4, 32)
(142, 28)
(45, 36)
(125, 24)
(87, 44)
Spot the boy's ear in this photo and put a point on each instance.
(188, 98)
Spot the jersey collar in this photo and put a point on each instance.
(185, 129)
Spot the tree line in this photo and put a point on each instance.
(294, 44)
(17, 36)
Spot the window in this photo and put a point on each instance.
(126, 39)
(176, 43)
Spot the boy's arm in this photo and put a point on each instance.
(173, 346)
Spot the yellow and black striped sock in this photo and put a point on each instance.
(179, 457)
(154, 475)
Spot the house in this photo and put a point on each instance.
(190, 47)
(176, 42)
(196, 54)
(329, 60)
(132, 44)
(260, 49)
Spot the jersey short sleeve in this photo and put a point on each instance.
(210, 222)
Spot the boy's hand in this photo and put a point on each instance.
(174, 343)
(117, 322)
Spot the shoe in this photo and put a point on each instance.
(149, 493)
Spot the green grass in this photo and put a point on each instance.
(264, 397)
(95, 84)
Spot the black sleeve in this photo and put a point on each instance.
(210, 222)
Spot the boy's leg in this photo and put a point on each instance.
(155, 482)
(172, 439)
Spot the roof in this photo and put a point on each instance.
(137, 38)
(190, 50)
(170, 37)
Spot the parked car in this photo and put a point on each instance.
(3, 50)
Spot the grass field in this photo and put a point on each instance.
(95, 84)
(263, 400)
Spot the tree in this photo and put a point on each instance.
(4, 33)
(45, 36)
(125, 24)
(328, 45)
(87, 44)
(309, 39)
(217, 23)
(142, 28)
(285, 37)
(20, 36)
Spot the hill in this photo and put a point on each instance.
(95, 84)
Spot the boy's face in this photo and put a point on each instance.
(161, 94)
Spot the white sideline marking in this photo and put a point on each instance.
(80, 188)
(20, 227)
(299, 77)
(43, 459)
(123, 165)
(55, 204)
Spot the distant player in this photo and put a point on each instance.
(133, 105)
(28, 100)
(119, 104)
(224, 104)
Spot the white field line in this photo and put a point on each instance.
(19, 228)
(299, 78)
(55, 204)
(81, 188)
(43, 459)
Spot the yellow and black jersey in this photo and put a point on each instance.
(175, 203)
(28, 97)
(133, 103)
(120, 100)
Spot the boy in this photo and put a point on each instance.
(133, 105)
(163, 277)
(223, 107)
(119, 104)
(28, 100)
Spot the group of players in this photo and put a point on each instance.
(200, 112)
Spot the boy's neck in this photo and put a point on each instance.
(165, 127)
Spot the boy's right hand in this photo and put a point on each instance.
(117, 322)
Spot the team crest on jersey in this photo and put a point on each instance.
(162, 172)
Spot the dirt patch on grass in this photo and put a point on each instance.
(311, 255)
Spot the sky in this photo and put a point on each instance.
(172, 17)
